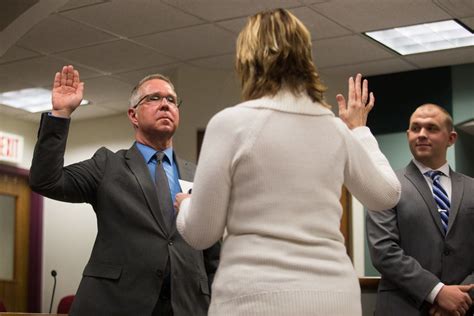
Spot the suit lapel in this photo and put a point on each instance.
(457, 191)
(414, 175)
(138, 166)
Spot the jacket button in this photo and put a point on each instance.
(446, 252)
(170, 242)
(159, 273)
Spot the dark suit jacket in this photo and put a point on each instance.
(408, 247)
(125, 271)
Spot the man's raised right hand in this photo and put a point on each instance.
(67, 92)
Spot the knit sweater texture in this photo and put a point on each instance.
(270, 176)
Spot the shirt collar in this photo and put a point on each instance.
(423, 169)
(148, 152)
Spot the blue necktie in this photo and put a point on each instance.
(441, 198)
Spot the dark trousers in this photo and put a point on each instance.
(163, 307)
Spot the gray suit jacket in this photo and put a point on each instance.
(127, 265)
(408, 247)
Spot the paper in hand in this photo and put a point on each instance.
(186, 186)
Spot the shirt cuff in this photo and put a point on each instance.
(59, 117)
(434, 292)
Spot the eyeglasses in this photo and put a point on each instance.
(156, 98)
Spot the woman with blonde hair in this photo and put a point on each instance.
(271, 172)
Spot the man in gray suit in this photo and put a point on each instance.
(139, 264)
(424, 247)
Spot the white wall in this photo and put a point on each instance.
(27, 130)
(204, 92)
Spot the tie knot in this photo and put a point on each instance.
(159, 156)
(434, 174)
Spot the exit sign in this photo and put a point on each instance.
(11, 147)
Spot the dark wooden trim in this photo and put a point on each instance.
(14, 171)
(35, 265)
(35, 258)
(369, 283)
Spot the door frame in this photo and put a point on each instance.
(35, 251)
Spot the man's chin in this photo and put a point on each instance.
(166, 130)
(422, 156)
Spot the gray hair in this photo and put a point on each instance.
(134, 97)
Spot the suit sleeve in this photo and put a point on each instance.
(401, 270)
(211, 261)
(48, 176)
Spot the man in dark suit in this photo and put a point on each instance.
(424, 246)
(139, 264)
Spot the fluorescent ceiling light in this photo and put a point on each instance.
(424, 37)
(32, 100)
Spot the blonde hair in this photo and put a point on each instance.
(274, 51)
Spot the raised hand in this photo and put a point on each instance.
(354, 113)
(67, 92)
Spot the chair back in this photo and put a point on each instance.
(2, 307)
(65, 304)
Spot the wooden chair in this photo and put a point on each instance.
(65, 304)
(2, 307)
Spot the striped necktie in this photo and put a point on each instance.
(441, 198)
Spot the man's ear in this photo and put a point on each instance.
(453, 136)
(132, 116)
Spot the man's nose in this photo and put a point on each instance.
(164, 105)
(422, 133)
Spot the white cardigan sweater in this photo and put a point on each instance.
(271, 172)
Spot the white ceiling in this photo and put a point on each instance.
(115, 43)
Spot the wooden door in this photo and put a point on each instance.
(346, 220)
(14, 289)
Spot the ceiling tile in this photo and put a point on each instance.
(11, 84)
(217, 62)
(74, 4)
(106, 88)
(192, 42)
(216, 10)
(16, 53)
(134, 76)
(458, 8)
(67, 35)
(346, 50)
(234, 25)
(443, 58)
(313, 1)
(469, 22)
(362, 16)
(133, 18)
(318, 25)
(39, 71)
(116, 56)
(373, 68)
